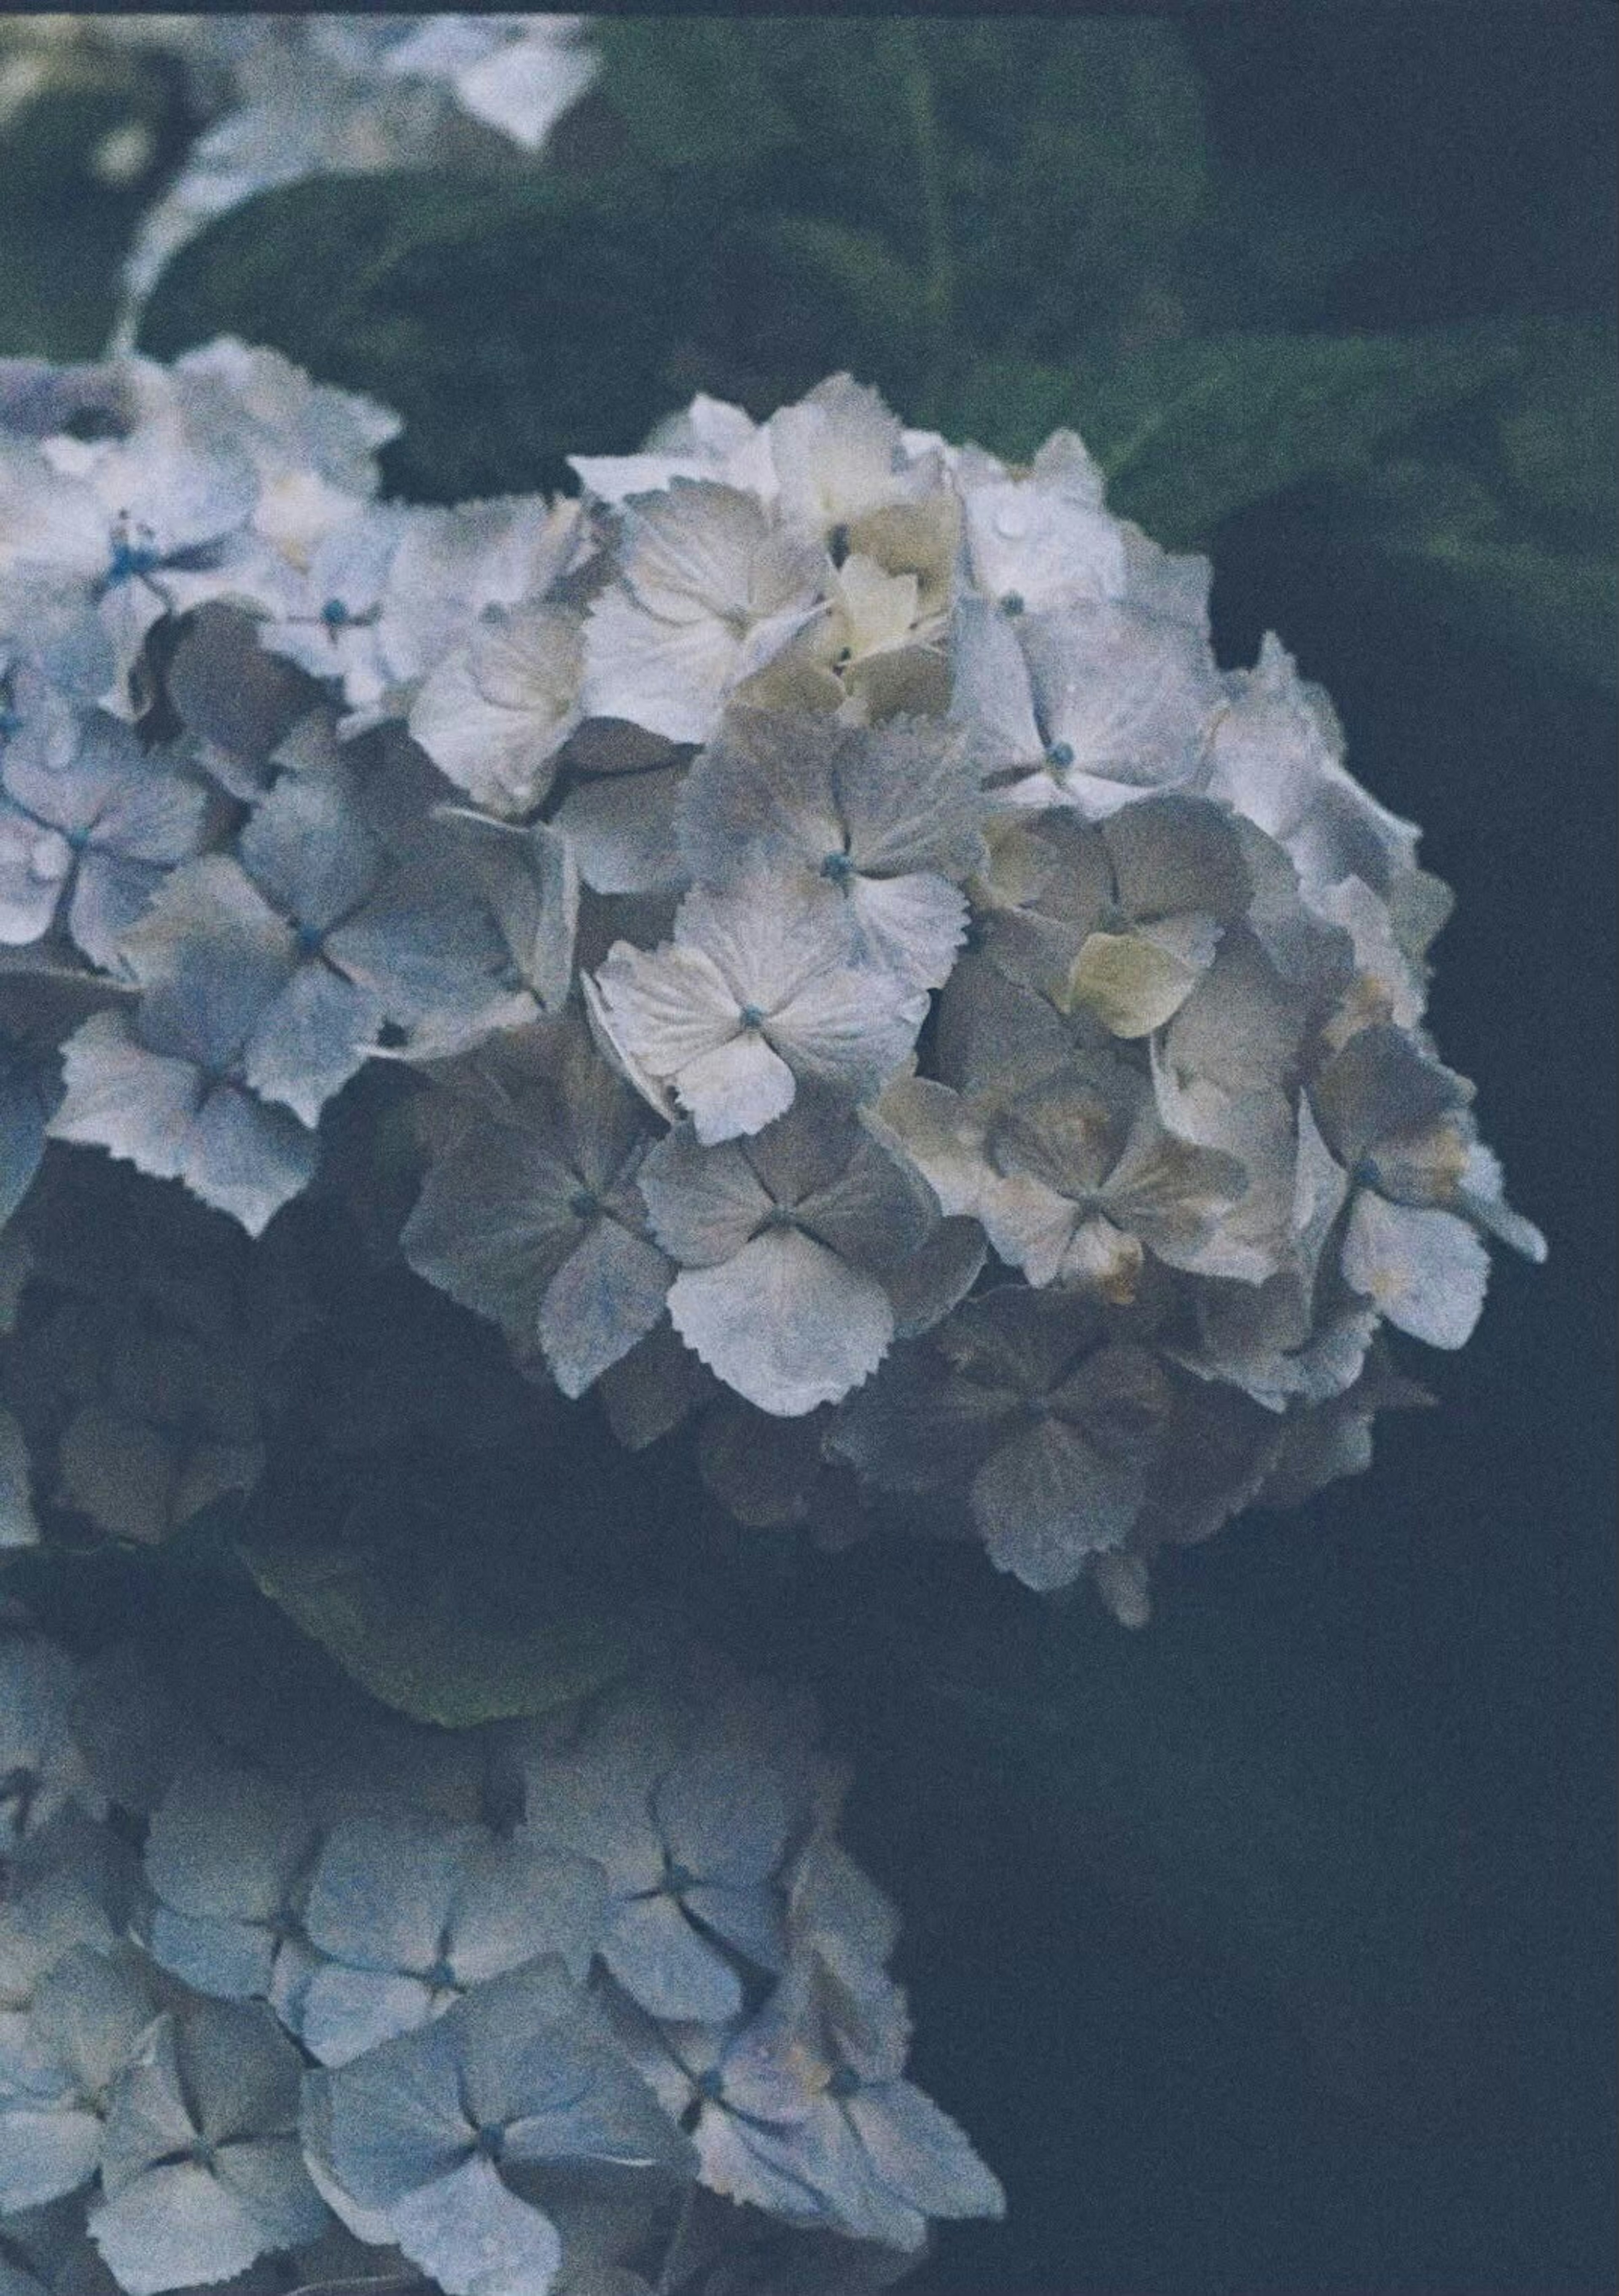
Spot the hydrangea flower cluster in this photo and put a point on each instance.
(875, 989)
(285, 98)
(593, 2006)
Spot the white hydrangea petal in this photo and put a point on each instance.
(175, 2227)
(991, 695)
(736, 1089)
(851, 1025)
(835, 454)
(1045, 539)
(920, 2152)
(493, 714)
(36, 863)
(313, 1039)
(771, 938)
(1427, 1270)
(137, 1104)
(247, 1160)
(910, 926)
(785, 1322)
(341, 2012)
(667, 1006)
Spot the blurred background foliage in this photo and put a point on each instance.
(1271, 1950)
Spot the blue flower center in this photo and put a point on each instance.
(489, 2144)
(335, 614)
(1060, 756)
(752, 1016)
(837, 868)
(585, 1203)
(10, 722)
(130, 560)
(710, 2086)
(310, 940)
(845, 2083)
(440, 1973)
(1012, 603)
(1369, 1173)
(678, 1878)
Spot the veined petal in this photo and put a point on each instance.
(786, 1323)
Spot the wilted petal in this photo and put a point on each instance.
(1131, 983)
(620, 827)
(1048, 1499)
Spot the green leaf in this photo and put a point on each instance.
(19, 1524)
(854, 271)
(64, 228)
(1454, 548)
(695, 93)
(422, 1647)
(1560, 435)
(510, 322)
(1191, 431)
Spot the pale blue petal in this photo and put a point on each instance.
(667, 1966)
(175, 2227)
(383, 1887)
(339, 2012)
(724, 1815)
(475, 2237)
(313, 1039)
(608, 1293)
(919, 2153)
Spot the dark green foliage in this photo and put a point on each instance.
(424, 1650)
(509, 322)
(1506, 527)
(1194, 430)
(63, 231)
